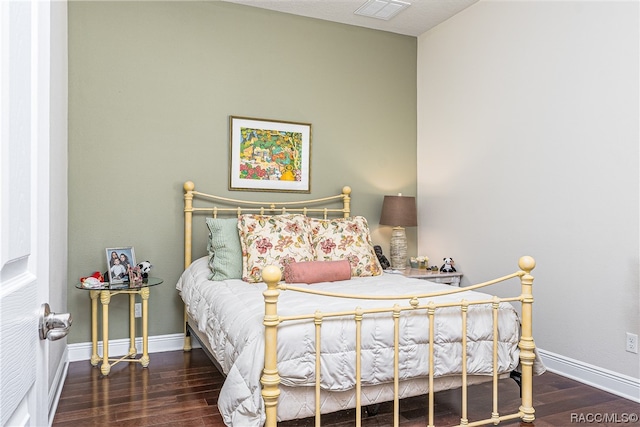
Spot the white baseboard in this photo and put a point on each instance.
(603, 379)
(120, 347)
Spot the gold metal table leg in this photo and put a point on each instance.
(94, 327)
(144, 294)
(132, 326)
(105, 298)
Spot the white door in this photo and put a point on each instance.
(24, 196)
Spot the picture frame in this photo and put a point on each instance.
(269, 155)
(119, 260)
(135, 277)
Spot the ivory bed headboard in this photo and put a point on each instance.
(338, 205)
(196, 202)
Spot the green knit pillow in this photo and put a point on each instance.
(225, 252)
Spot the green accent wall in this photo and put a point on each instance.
(151, 89)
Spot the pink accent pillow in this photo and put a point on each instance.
(317, 271)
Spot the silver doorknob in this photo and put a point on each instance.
(54, 326)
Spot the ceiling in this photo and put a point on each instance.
(419, 17)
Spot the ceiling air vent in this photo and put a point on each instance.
(382, 9)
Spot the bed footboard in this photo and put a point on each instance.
(527, 345)
(270, 379)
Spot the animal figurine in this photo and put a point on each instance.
(447, 267)
(145, 267)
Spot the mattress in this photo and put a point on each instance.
(228, 316)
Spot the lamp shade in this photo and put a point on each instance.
(399, 211)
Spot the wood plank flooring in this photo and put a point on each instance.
(181, 389)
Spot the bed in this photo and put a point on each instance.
(338, 332)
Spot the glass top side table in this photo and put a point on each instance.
(105, 291)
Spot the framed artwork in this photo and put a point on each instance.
(119, 261)
(268, 155)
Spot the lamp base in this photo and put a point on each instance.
(398, 249)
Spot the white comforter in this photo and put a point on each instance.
(231, 312)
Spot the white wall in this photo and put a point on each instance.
(528, 125)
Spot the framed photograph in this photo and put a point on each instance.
(268, 155)
(135, 277)
(119, 260)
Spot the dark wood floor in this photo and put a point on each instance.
(181, 389)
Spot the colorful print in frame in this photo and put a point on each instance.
(269, 155)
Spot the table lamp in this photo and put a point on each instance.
(399, 211)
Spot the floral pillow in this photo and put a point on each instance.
(345, 238)
(277, 240)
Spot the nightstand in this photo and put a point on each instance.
(105, 293)
(452, 279)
